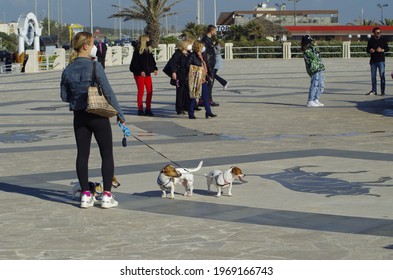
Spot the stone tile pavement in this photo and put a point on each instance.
(319, 182)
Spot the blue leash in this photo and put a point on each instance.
(126, 133)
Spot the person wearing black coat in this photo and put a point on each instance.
(142, 65)
(178, 72)
(210, 55)
(377, 46)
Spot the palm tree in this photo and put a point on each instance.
(236, 33)
(261, 28)
(193, 30)
(254, 30)
(366, 21)
(150, 11)
(387, 21)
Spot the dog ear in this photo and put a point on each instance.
(236, 170)
(170, 171)
(165, 168)
(115, 183)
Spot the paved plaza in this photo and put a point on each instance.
(319, 180)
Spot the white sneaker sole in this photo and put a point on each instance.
(87, 204)
(107, 205)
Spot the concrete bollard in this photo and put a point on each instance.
(228, 51)
(171, 50)
(108, 57)
(59, 63)
(32, 62)
(286, 52)
(128, 51)
(161, 53)
(117, 56)
(347, 49)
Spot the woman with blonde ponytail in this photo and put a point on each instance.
(77, 43)
(75, 80)
(142, 65)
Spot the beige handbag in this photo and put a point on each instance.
(96, 101)
(195, 81)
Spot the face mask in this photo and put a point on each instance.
(93, 52)
(189, 48)
(203, 49)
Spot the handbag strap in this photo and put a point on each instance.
(93, 74)
(95, 81)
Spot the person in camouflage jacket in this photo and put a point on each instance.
(315, 69)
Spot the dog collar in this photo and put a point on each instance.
(164, 184)
(226, 183)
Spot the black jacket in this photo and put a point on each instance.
(210, 53)
(179, 64)
(144, 62)
(374, 43)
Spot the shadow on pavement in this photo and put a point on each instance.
(382, 107)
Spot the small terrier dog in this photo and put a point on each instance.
(95, 188)
(224, 180)
(170, 176)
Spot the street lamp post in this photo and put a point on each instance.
(49, 17)
(215, 11)
(294, 10)
(91, 16)
(60, 13)
(198, 16)
(381, 6)
(120, 35)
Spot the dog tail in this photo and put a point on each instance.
(197, 168)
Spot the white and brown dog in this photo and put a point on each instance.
(170, 176)
(95, 188)
(224, 179)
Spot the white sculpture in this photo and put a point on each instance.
(29, 31)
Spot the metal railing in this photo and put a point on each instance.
(13, 68)
(46, 62)
(257, 52)
(325, 51)
(336, 51)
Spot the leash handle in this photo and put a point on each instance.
(125, 129)
(126, 133)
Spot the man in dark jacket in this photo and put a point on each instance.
(377, 46)
(101, 53)
(210, 56)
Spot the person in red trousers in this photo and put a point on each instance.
(142, 65)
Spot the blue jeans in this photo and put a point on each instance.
(381, 67)
(205, 98)
(317, 86)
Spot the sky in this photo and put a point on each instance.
(78, 11)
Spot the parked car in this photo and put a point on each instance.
(4, 55)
